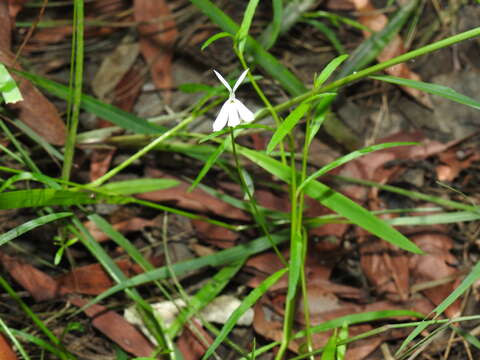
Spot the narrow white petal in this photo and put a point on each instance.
(240, 80)
(233, 119)
(223, 81)
(245, 114)
(222, 116)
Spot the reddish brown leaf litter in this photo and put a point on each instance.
(157, 40)
(124, 227)
(189, 343)
(6, 351)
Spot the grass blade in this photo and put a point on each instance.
(435, 89)
(30, 225)
(138, 186)
(248, 302)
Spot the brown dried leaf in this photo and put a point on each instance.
(214, 234)
(190, 345)
(100, 162)
(116, 328)
(6, 350)
(437, 264)
(158, 33)
(40, 285)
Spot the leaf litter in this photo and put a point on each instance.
(348, 271)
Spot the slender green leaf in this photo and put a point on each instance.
(30, 225)
(44, 197)
(214, 38)
(270, 35)
(248, 302)
(138, 186)
(287, 125)
(435, 89)
(329, 34)
(330, 348)
(329, 69)
(349, 157)
(335, 201)
(8, 88)
(242, 32)
(205, 295)
(210, 162)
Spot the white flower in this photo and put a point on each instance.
(233, 112)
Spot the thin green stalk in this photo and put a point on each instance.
(72, 121)
(258, 215)
(143, 151)
(373, 69)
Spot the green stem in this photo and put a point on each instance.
(373, 69)
(257, 214)
(77, 67)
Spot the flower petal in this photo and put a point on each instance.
(222, 116)
(240, 80)
(223, 81)
(245, 114)
(233, 118)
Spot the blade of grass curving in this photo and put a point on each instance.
(349, 157)
(218, 259)
(336, 19)
(8, 87)
(265, 60)
(53, 152)
(212, 159)
(242, 33)
(467, 336)
(434, 219)
(108, 112)
(335, 201)
(30, 225)
(40, 343)
(269, 36)
(435, 89)
(214, 38)
(371, 47)
(29, 176)
(329, 69)
(413, 194)
(24, 153)
(342, 337)
(248, 302)
(205, 295)
(138, 186)
(329, 34)
(330, 348)
(287, 125)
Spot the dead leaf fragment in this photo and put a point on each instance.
(157, 36)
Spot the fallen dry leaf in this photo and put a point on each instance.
(214, 234)
(158, 33)
(190, 345)
(40, 285)
(436, 264)
(6, 351)
(100, 161)
(116, 328)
